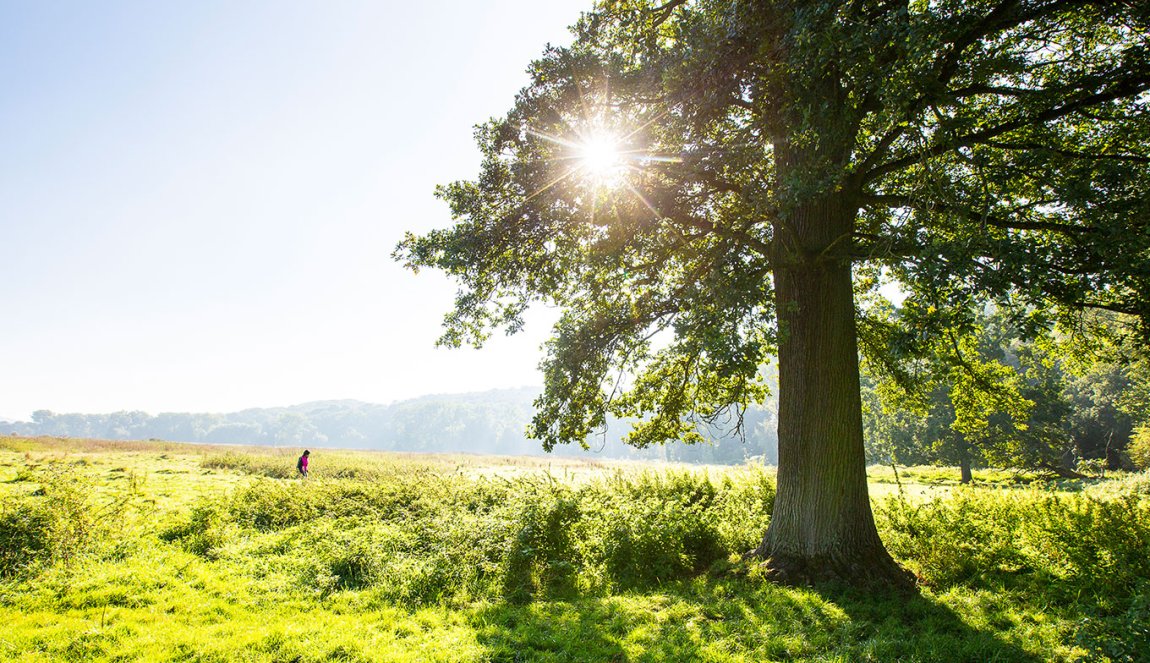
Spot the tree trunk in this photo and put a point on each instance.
(822, 527)
(964, 463)
(964, 460)
(964, 467)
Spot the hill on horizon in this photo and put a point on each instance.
(485, 422)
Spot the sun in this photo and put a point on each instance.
(600, 156)
(602, 160)
(595, 155)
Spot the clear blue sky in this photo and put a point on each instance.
(198, 200)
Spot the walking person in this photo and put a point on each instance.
(301, 464)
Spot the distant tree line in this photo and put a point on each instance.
(490, 422)
(995, 396)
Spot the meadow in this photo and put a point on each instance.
(118, 551)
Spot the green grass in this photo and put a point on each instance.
(154, 551)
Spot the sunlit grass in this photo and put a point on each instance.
(386, 557)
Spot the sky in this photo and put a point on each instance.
(199, 200)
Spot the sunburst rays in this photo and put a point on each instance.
(599, 154)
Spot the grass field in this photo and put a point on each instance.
(166, 552)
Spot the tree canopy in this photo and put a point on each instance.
(701, 185)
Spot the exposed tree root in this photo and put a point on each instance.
(875, 571)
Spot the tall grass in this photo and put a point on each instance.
(396, 559)
(424, 537)
(1089, 550)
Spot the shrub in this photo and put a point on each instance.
(453, 554)
(1090, 553)
(58, 523)
(347, 557)
(742, 509)
(204, 532)
(1100, 547)
(654, 527)
(541, 556)
(267, 505)
(424, 538)
(1139, 448)
(24, 535)
(955, 539)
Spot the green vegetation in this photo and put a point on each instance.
(1050, 405)
(1140, 448)
(702, 187)
(179, 552)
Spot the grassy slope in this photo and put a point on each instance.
(141, 588)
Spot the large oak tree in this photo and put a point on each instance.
(702, 185)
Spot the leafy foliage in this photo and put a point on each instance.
(975, 150)
(1139, 449)
(1036, 404)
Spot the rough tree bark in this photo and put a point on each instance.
(822, 527)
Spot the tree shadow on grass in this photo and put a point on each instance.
(915, 627)
(739, 618)
(581, 629)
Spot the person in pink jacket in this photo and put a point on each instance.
(301, 464)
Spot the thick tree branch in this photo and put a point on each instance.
(890, 201)
(663, 11)
(1004, 16)
(1114, 308)
(1122, 89)
(975, 90)
(998, 19)
(946, 68)
(879, 152)
(739, 236)
(1070, 154)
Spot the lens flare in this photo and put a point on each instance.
(601, 158)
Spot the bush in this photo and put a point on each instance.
(204, 532)
(25, 527)
(1097, 547)
(541, 555)
(1139, 448)
(654, 527)
(742, 510)
(1089, 553)
(963, 537)
(1100, 546)
(267, 505)
(424, 538)
(350, 555)
(58, 523)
